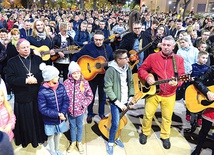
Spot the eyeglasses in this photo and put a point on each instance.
(137, 28)
(124, 58)
(206, 34)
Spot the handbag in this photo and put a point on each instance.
(62, 127)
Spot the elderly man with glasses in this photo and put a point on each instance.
(131, 40)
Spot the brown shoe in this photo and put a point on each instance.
(80, 147)
(71, 147)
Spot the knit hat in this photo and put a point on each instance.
(73, 67)
(48, 72)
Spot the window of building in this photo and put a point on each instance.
(201, 7)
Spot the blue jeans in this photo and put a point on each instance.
(115, 112)
(76, 127)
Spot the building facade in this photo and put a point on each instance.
(198, 6)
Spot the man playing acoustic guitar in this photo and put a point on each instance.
(208, 114)
(62, 40)
(119, 88)
(93, 51)
(132, 40)
(161, 64)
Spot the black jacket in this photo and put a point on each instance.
(57, 41)
(128, 41)
(205, 80)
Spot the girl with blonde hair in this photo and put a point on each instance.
(7, 117)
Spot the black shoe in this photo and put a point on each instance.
(166, 143)
(143, 138)
(89, 119)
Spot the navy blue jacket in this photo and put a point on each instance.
(40, 42)
(48, 106)
(198, 70)
(80, 37)
(94, 51)
(106, 35)
(23, 33)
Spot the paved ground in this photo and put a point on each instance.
(182, 143)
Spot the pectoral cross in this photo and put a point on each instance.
(29, 74)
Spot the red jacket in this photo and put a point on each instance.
(10, 24)
(162, 67)
(208, 114)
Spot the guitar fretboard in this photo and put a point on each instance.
(163, 81)
(185, 77)
(148, 45)
(101, 65)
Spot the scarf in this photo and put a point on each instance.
(54, 87)
(185, 48)
(14, 42)
(41, 35)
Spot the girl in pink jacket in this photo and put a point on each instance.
(80, 95)
(7, 117)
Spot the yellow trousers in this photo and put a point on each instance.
(167, 107)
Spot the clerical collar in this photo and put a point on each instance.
(27, 57)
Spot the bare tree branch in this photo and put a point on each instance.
(186, 3)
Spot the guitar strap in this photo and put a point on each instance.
(175, 66)
(104, 48)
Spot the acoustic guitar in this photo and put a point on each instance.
(90, 67)
(196, 101)
(56, 56)
(113, 36)
(134, 58)
(105, 124)
(45, 51)
(154, 89)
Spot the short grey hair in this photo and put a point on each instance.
(169, 38)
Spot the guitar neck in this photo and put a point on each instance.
(148, 45)
(125, 111)
(60, 50)
(70, 51)
(104, 64)
(145, 48)
(134, 100)
(124, 32)
(185, 77)
(163, 81)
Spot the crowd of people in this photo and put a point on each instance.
(98, 51)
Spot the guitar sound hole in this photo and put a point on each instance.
(98, 65)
